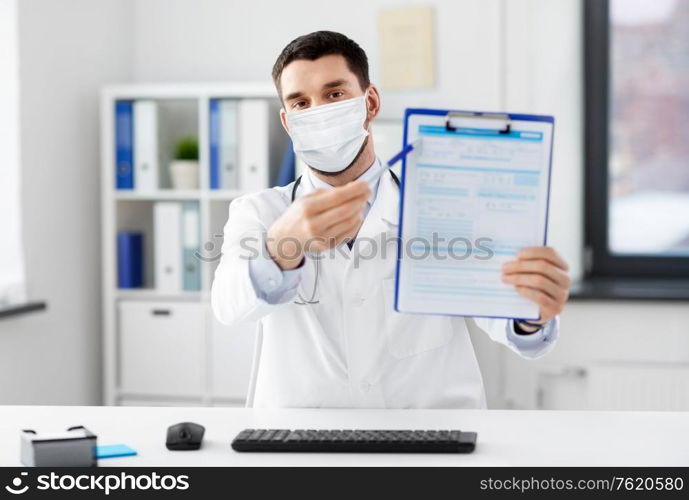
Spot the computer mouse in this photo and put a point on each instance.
(184, 436)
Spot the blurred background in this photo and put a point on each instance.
(126, 124)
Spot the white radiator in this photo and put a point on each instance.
(638, 386)
(613, 386)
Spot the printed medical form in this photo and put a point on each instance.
(473, 196)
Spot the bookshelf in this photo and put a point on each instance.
(164, 347)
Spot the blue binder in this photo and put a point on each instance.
(288, 166)
(124, 144)
(130, 259)
(214, 134)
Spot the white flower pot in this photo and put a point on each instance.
(184, 174)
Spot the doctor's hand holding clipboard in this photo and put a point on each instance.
(540, 275)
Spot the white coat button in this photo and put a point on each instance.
(365, 386)
(358, 299)
(271, 282)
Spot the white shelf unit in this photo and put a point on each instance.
(209, 365)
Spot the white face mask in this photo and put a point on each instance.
(328, 137)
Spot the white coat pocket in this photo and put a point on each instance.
(410, 334)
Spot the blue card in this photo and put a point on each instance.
(114, 450)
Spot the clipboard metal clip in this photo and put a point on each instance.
(503, 119)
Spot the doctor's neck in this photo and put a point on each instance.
(362, 162)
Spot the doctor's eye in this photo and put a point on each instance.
(298, 105)
(336, 95)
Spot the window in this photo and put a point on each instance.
(12, 288)
(637, 138)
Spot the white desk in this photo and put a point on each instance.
(505, 438)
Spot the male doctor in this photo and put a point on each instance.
(331, 336)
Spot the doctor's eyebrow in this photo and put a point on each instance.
(294, 95)
(335, 83)
(330, 85)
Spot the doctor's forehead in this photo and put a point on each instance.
(305, 77)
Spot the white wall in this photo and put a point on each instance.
(67, 51)
(12, 285)
(215, 40)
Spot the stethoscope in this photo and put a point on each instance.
(302, 301)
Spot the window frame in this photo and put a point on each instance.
(599, 261)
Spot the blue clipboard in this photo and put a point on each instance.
(449, 115)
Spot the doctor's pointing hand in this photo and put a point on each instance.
(317, 221)
(330, 336)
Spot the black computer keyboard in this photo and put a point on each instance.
(362, 441)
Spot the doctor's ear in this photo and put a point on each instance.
(372, 102)
(283, 119)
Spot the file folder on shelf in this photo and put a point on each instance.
(288, 166)
(214, 136)
(229, 165)
(167, 252)
(253, 144)
(124, 145)
(224, 161)
(146, 156)
(191, 235)
(130, 255)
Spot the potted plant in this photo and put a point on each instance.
(184, 169)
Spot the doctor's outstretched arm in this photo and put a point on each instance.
(245, 284)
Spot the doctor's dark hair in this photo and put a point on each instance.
(319, 44)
